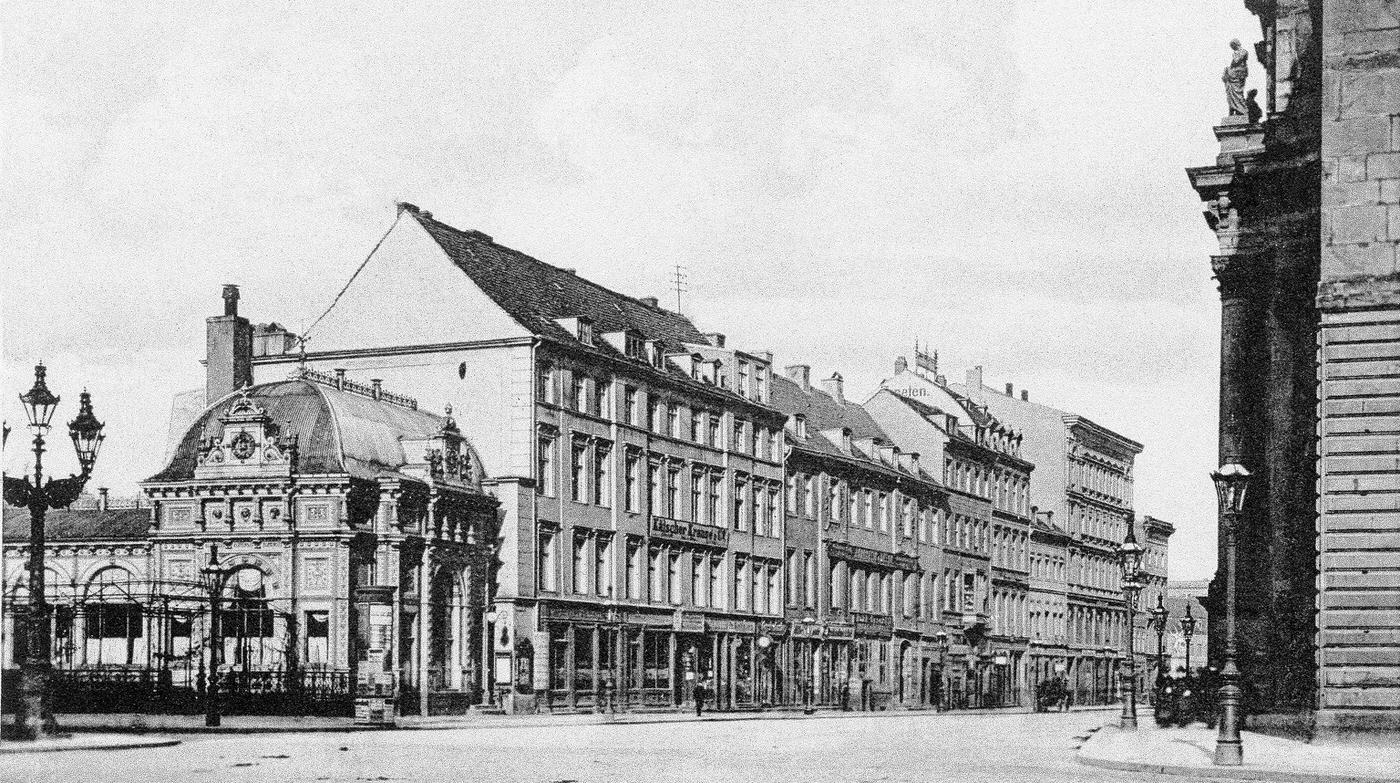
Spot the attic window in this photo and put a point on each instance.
(634, 346)
(585, 331)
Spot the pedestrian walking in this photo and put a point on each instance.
(700, 693)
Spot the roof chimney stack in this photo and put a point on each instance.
(378, 385)
(801, 374)
(835, 387)
(228, 350)
(1025, 396)
(716, 339)
(974, 383)
(101, 498)
(650, 301)
(1009, 392)
(340, 378)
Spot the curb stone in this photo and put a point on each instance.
(17, 748)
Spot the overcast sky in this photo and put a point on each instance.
(1003, 181)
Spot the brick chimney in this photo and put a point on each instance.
(835, 387)
(974, 383)
(650, 301)
(900, 364)
(101, 498)
(801, 374)
(228, 358)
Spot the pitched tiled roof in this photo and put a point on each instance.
(123, 524)
(930, 414)
(823, 412)
(535, 294)
(338, 431)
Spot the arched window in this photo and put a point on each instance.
(246, 620)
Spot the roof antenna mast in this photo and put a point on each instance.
(680, 279)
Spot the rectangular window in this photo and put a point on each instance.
(544, 382)
(756, 571)
(809, 497)
(697, 426)
(654, 489)
(714, 431)
(546, 571)
(697, 496)
(673, 420)
(673, 491)
(775, 511)
(737, 442)
(698, 580)
(714, 510)
(602, 474)
(775, 597)
(629, 402)
(601, 401)
(809, 576)
(743, 379)
(794, 584)
(653, 416)
(673, 577)
(716, 591)
(634, 568)
(318, 633)
(656, 584)
(632, 479)
(545, 466)
(741, 583)
(576, 471)
(580, 563)
(740, 503)
(602, 566)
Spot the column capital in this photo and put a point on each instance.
(1237, 273)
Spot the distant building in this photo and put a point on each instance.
(1083, 477)
(1181, 597)
(863, 553)
(987, 545)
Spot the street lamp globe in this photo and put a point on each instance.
(1130, 557)
(86, 432)
(1159, 615)
(1188, 623)
(1231, 481)
(39, 403)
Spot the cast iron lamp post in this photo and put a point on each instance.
(1159, 622)
(1231, 481)
(1188, 627)
(942, 637)
(213, 575)
(35, 716)
(1130, 560)
(809, 706)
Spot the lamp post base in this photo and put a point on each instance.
(1228, 753)
(1128, 722)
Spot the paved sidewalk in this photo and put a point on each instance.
(265, 724)
(1190, 752)
(86, 742)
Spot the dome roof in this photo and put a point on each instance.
(338, 431)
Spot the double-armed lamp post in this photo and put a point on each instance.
(1130, 560)
(35, 716)
(1231, 481)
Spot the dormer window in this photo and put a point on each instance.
(799, 426)
(585, 331)
(635, 346)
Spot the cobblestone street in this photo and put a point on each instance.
(966, 748)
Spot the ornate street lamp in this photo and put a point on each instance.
(1188, 627)
(809, 706)
(1231, 482)
(213, 576)
(942, 637)
(1130, 560)
(1158, 620)
(35, 716)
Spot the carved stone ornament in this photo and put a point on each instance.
(1224, 219)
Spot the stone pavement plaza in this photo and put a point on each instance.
(995, 748)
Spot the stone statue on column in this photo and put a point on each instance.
(1234, 77)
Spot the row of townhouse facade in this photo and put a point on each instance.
(669, 510)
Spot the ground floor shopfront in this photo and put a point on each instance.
(603, 657)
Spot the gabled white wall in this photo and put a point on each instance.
(410, 293)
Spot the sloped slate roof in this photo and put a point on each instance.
(930, 414)
(338, 431)
(536, 293)
(123, 524)
(824, 412)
